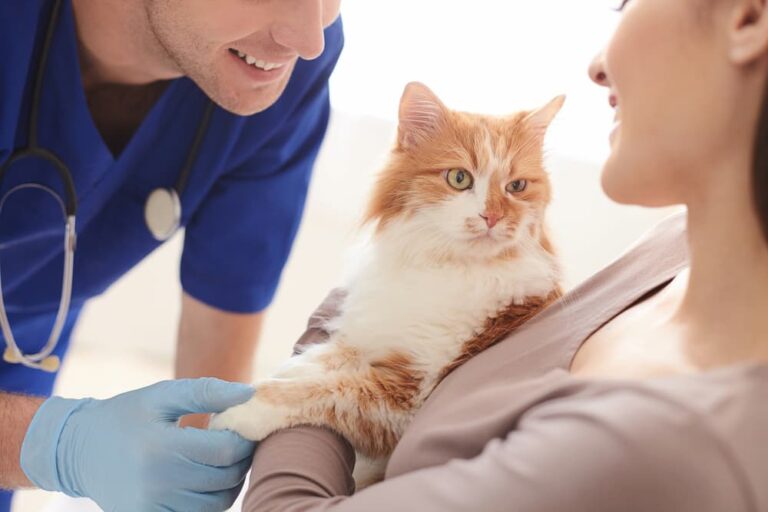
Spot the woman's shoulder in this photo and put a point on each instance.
(709, 425)
(696, 440)
(707, 430)
(731, 406)
(715, 422)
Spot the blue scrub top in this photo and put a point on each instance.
(241, 208)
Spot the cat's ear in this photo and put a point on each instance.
(422, 114)
(539, 120)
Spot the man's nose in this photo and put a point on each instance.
(597, 70)
(302, 29)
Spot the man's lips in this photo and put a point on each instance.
(260, 72)
(262, 64)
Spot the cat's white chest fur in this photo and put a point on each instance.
(429, 310)
(458, 214)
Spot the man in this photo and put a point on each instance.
(123, 96)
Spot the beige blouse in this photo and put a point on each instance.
(513, 430)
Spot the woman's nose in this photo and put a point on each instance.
(597, 71)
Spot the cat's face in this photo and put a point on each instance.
(464, 185)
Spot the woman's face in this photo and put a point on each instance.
(680, 98)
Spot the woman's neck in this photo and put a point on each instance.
(724, 310)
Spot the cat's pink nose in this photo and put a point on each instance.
(491, 219)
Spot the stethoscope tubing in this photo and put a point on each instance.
(43, 359)
(33, 150)
(70, 205)
(35, 360)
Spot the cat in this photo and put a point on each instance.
(458, 258)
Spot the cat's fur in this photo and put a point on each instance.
(437, 284)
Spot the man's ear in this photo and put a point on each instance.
(748, 31)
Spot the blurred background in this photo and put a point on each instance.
(485, 56)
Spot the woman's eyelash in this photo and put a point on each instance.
(622, 5)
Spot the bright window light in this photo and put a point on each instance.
(491, 56)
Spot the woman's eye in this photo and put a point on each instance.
(517, 186)
(459, 179)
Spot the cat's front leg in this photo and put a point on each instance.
(369, 470)
(254, 420)
(282, 401)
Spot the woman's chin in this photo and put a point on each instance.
(619, 190)
(627, 184)
(619, 181)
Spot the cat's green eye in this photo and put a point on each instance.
(459, 179)
(517, 186)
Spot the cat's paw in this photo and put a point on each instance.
(254, 420)
(369, 471)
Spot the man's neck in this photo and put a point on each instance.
(117, 46)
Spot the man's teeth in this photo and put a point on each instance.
(266, 66)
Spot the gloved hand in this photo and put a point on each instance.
(128, 454)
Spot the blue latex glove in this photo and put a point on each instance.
(128, 454)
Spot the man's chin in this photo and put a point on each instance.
(248, 102)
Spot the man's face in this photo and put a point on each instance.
(241, 52)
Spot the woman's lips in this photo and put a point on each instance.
(614, 102)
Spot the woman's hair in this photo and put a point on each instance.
(760, 168)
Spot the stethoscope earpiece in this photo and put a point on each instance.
(49, 364)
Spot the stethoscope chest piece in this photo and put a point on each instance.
(162, 213)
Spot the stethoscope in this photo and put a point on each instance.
(162, 212)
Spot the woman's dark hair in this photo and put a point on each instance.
(760, 169)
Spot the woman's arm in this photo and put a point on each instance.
(624, 450)
(317, 325)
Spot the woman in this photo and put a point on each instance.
(644, 388)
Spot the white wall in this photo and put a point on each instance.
(492, 56)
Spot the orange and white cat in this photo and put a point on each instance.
(459, 258)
